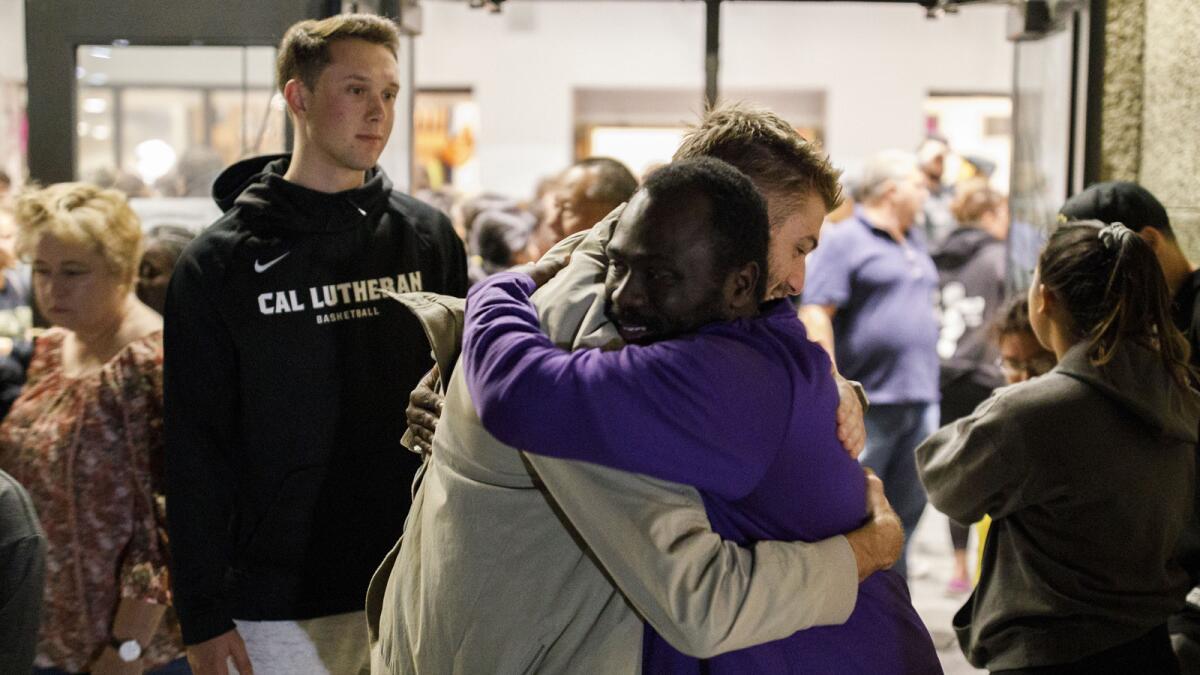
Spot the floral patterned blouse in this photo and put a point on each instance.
(89, 450)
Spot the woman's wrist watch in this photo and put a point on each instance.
(128, 651)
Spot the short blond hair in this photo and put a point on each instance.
(304, 50)
(762, 145)
(85, 215)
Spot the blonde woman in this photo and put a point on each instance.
(85, 437)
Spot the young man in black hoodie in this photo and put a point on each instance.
(287, 370)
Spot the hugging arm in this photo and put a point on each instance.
(702, 594)
(649, 409)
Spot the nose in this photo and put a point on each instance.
(47, 287)
(378, 107)
(628, 297)
(795, 279)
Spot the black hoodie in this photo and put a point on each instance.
(287, 372)
(971, 266)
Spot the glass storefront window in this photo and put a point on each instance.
(445, 133)
(161, 122)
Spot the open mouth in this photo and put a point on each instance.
(633, 332)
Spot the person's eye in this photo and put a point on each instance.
(658, 275)
(389, 95)
(355, 90)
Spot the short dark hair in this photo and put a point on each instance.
(739, 226)
(1013, 318)
(171, 238)
(614, 184)
(766, 148)
(304, 50)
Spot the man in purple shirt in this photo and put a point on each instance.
(687, 261)
(869, 301)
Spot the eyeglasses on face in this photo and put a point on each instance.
(1032, 367)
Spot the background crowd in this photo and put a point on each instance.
(908, 293)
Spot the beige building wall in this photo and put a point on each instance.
(1151, 119)
(1170, 158)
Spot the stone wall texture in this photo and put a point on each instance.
(1124, 89)
(1170, 135)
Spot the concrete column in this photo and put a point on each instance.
(1170, 147)
(1151, 114)
(1124, 85)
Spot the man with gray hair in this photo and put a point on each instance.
(588, 191)
(869, 300)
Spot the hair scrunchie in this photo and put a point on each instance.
(1114, 235)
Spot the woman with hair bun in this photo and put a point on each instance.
(1086, 472)
(85, 438)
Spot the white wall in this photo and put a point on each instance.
(875, 62)
(12, 40)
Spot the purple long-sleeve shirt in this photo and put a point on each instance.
(742, 410)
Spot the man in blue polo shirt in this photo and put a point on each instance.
(869, 300)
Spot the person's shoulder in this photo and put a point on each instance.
(753, 339)
(141, 354)
(218, 239)
(1041, 395)
(430, 225)
(18, 520)
(844, 238)
(207, 257)
(421, 215)
(847, 228)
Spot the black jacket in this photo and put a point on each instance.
(287, 372)
(971, 266)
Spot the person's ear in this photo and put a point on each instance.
(742, 285)
(1043, 300)
(889, 189)
(296, 95)
(1152, 237)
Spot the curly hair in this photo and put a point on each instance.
(85, 215)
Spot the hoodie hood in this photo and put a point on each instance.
(1136, 380)
(256, 185)
(960, 247)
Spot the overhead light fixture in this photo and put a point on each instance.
(94, 105)
(492, 6)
